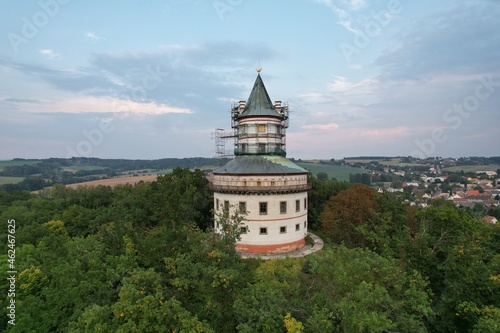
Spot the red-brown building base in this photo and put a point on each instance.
(276, 248)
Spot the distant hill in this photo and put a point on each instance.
(339, 172)
(32, 175)
(369, 158)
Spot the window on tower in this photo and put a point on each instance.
(297, 205)
(225, 210)
(262, 128)
(297, 227)
(263, 208)
(283, 230)
(263, 231)
(282, 207)
(243, 207)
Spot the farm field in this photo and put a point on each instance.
(116, 181)
(473, 168)
(4, 164)
(165, 171)
(397, 162)
(76, 168)
(143, 171)
(391, 162)
(339, 172)
(10, 180)
(361, 160)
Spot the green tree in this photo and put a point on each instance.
(181, 197)
(262, 305)
(142, 307)
(456, 253)
(204, 273)
(359, 291)
(292, 325)
(322, 176)
(318, 196)
(479, 188)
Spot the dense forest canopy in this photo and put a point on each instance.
(143, 258)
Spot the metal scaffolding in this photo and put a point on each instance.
(220, 136)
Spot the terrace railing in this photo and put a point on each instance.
(257, 189)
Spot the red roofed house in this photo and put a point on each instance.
(490, 219)
(472, 193)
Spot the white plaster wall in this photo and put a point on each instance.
(273, 220)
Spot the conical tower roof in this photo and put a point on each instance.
(259, 103)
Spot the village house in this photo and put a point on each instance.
(490, 219)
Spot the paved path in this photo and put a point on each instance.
(305, 251)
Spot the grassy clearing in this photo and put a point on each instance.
(10, 180)
(340, 172)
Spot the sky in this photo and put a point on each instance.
(154, 79)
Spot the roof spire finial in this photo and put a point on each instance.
(258, 69)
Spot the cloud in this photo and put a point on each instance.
(463, 40)
(49, 53)
(431, 66)
(19, 100)
(383, 134)
(344, 17)
(322, 127)
(74, 80)
(193, 77)
(94, 37)
(355, 4)
(89, 104)
(343, 92)
(359, 140)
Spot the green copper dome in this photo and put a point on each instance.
(259, 103)
(261, 165)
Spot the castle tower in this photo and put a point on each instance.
(260, 181)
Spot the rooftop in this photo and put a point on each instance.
(259, 103)
(260, 164)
